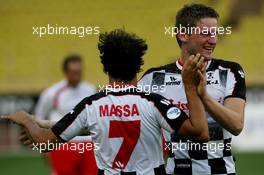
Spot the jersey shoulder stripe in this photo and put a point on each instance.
(166, 68)
(239, 87)
(215, 63)
(72, 115)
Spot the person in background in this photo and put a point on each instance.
(53, 104)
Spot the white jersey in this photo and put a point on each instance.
(224, 79)
(126, 127)
(60, 98)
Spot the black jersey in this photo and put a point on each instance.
(225, 79)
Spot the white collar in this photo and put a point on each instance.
(119, 88)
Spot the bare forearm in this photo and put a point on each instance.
(39, 135)
(227, 118)
(44, 123)
(197, 112)
(197, 125)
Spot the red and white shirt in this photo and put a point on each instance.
(59, 99)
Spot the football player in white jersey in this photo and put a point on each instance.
(55, 102)
(125, 122)
(224, 97)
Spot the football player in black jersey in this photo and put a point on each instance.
(223, 97)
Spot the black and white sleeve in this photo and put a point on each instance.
(236, 86)
(167, 114)
(73, 123)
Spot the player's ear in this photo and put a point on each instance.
(183, 37)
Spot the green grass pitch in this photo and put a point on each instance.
(32, 164)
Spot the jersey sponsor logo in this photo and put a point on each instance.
(173, 113)
(182, 106)
(118, 110)
(171, 81)
(210, 82)
(211, 79)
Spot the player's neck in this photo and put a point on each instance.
(184, 56)
(72, 85)
(116, 82)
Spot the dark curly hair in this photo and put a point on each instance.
(121, 54)
(189, 15)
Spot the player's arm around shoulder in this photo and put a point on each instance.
(47, 124)
(231, 114)
(175, 120)
(33, 132)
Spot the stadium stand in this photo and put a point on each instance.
(31, 62)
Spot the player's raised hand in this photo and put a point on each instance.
(201, 64)
(189, 71)
(201, 88)
(19, 118)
